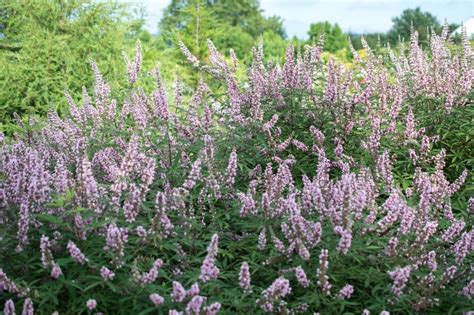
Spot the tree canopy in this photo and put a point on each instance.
(420, 21)
(244, 14)
(334, 37)
(45, 45)
(233, 24)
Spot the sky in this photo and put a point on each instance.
(357, 16)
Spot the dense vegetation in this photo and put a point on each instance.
(44, 45)
(231, 181)
(305, 188)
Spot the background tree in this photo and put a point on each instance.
(192, 22)
(374, 40)
(274, 46)
(420, 21)
(247, 15)
(45, 45)
(334, 37)
(240, 23)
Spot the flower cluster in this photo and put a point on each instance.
(270, 300)
(332, 162)
(208, 268)
(323, 279)
(156, 299)
(244, 276)
(400, 277)
(345, 292)
(47, 257)
(76, 253)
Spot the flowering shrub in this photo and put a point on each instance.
(307, 188)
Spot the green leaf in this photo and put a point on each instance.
(49, 218)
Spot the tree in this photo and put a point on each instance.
(247, 15)
(274, 47)
(421, 22)
(45, 46)
(334, 38)
(233, 24)
(191, 22)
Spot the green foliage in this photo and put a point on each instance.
(203, 214)
(374, 40)
(422, 22)
(195, 24)
(244, 14)
(334, 38)
(229, 24)
(274, 46)
(455, 132)
(412, 18)
(43, 51)
(247, 15)
(45, 45)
